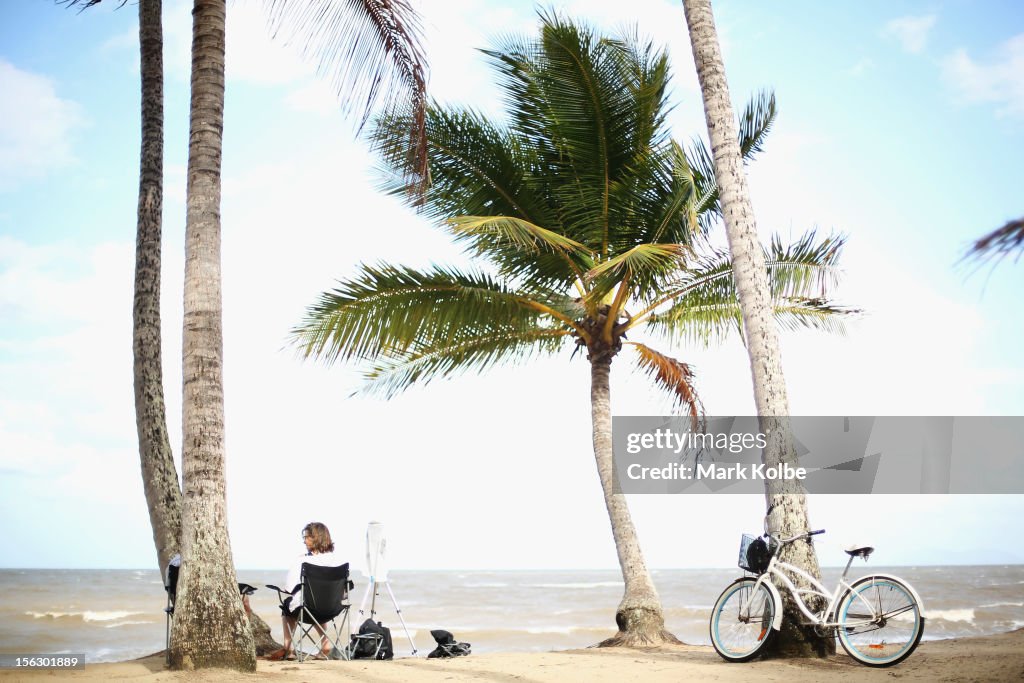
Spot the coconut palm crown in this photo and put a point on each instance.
(592, 223)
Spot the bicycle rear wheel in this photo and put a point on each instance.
(741, 621)
(880, 621)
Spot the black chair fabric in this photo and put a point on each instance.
(324, 592)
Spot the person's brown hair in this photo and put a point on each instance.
(322, 542)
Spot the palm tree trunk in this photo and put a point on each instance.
(159, 475)
(639, 615)
(760, 334)
(210, 626)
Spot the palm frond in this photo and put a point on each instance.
(387, 310)
(593, 108)
(424, 363)
(755, 123)
(804, 268)
(677, 218)
(480, 170)
(641, 266)
(371, 52)
(698, 324)
(707, 324)
(703, 305)
(673, 376)
(999, 243)
(523, 234)
(86, 4)
(817, 314)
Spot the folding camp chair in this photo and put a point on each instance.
(171, 586)
(324, 600)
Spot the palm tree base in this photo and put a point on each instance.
(795, 641)
(640, 627)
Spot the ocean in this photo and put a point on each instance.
(117, 615)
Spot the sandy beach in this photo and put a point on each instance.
(989, 658)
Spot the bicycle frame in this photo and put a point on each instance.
(776, 567)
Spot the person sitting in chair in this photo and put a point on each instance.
(319, 551)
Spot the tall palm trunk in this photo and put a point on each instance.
(639, 615)
(159, 476)
(210, 627)
(789, 498)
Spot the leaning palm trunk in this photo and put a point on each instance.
(159, 476)
(789, 499)
(210, 626)
(639, 616)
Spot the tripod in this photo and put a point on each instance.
(377, 572)
(374, 587)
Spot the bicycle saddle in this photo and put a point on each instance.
(856, 550)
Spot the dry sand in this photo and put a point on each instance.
(989, 658)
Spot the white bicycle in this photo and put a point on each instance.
(878, 618)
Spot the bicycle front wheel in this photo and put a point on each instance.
(880, 621)
(741, 621)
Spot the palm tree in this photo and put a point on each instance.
(209, 628)
(375, 35)
(786, 498)
(371, 51)
(591, 220)
(159, 474)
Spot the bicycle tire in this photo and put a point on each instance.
(887, 633)
(740, 638)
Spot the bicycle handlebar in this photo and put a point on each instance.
(806, 534)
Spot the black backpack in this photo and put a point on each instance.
(446, 646)
(365, 645)
(758, 556)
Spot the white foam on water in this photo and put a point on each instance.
(485, 585)
(51, 615)
(966, 615)
(1002, 604)
(594, 584)
(107, 616)
(84, 616)
(541, 630)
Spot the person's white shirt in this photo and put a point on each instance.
(295, 572)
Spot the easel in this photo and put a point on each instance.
(378, 576)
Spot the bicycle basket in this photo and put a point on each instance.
(754, 554)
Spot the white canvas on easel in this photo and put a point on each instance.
(377, 573)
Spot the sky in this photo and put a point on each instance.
(899, 126)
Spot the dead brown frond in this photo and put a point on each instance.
(675, 377)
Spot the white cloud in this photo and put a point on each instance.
(911, 32)
(999, 81)
(35, 137)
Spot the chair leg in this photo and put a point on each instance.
(317, 634)
(168, 611)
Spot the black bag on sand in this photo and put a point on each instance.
(446, 646)
(365, 645)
